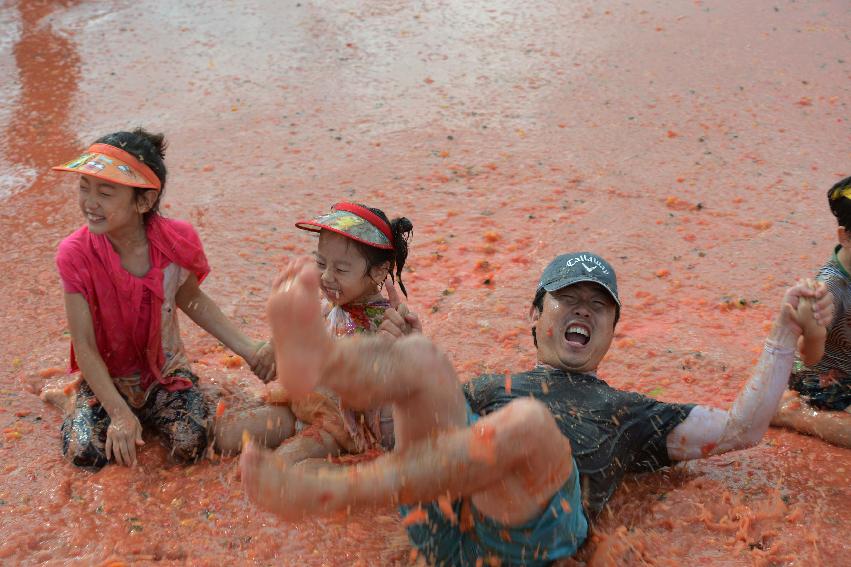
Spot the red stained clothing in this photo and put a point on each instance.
(126, 310)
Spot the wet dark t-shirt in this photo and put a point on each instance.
(611, 432)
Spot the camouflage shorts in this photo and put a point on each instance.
(180, 418)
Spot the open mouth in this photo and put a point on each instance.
(577, 335)
(331, 294)
(94, 218)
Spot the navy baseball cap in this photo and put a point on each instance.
(569, 269)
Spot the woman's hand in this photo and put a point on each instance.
(122, 436)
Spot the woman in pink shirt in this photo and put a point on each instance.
(125, 273)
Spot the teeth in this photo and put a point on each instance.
(577, 329)
(333, 292)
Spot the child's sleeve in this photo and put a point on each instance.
(201, 266)
(188, 248)
(71, 272)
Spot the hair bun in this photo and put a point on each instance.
(157, 141)
(402, 225)
(147, 147)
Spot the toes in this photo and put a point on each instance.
(308, 277)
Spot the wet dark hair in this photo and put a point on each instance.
(148, 148)
(538, 304)
(840, 206)
(402, 229)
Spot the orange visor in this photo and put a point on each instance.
(113, 164)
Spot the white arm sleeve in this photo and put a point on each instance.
(710, 431)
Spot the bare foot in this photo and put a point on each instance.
(301, 341)
(290, 492)
(61, 395)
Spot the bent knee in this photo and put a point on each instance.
(529, 414)
(422, 358)
(421, 350)
(530, 424)
(186, 442)
(80, 446)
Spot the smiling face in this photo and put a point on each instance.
(109, 207)
(575, 327)
(345, 276)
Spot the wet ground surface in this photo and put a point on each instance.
(691, 144)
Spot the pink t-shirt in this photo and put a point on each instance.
(134, 318)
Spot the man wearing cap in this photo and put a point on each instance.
(513, 469)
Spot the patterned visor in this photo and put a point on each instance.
(351, 225)
(113, 164)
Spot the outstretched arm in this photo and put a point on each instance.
(207, 315)
(710, 431)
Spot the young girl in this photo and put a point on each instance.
(125, 273)
(357, 249)
(820, 400)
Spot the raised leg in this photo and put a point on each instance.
(511, 462)
(298, 335)
(370, 372)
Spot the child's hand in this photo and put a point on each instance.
(398, 319)
(262, 363)
(822, 304)
(805, 310)
(122, 436)
(814, 313)
(806, 307)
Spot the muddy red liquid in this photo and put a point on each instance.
(691, 144)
